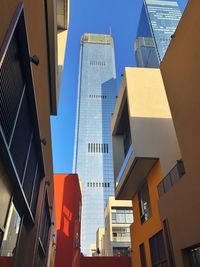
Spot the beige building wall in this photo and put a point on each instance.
(180, 71)
(100, 240)
(152, 131)
(108, 238)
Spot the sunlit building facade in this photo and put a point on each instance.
(93, 149)
(158, 21)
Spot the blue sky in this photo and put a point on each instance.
(95, 16)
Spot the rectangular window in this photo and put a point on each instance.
(143, 256)
(157, 249)
(144, 203)
(44, 228)
(97, 148)
(122, 215)
(193, 255)
(171, 178)
(168, 243)
(121, 234)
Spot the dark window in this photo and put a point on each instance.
(18, 117)
(171, 178)
(168, 243)
(97, 148)
(144, 203)
(1, 237)
(121, 251)
(44, 227)
(126, 138)
(35, 190)
(157, 249)
(194, 256)
(142, 256)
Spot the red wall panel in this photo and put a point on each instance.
(6, 261)
(105, 262)
(67, 205)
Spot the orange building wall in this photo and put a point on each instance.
(140, 233)
(67, 202)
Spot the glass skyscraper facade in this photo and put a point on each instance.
(93, 146)
(158, 22)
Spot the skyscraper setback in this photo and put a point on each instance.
(158, 21)
(93, 147)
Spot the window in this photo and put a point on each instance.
(194, 256)
(121, 251)
(10, 237)
(97, 63)
(127, 138)
(171, 178)
(120, 215)
(44, 228)
(97, 148)
(98, 96)
(143, 256)
(168, 243)
(121, 234)
(157, 249)
(144, 203)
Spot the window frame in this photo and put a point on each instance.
(143, 219)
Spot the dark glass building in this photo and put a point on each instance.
(158, 21)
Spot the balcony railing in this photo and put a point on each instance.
(122, 239)
(171, 178)
(125, 162)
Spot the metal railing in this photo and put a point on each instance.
(125, 162)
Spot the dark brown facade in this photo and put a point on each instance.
(179, 206)
(26, 102)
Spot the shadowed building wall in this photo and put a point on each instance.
(180, 72)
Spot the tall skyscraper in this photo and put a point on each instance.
(158, 21)
(93, 146)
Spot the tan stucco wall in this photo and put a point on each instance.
(152, 129)
(180, 71)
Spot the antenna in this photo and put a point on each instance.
(110, 30)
